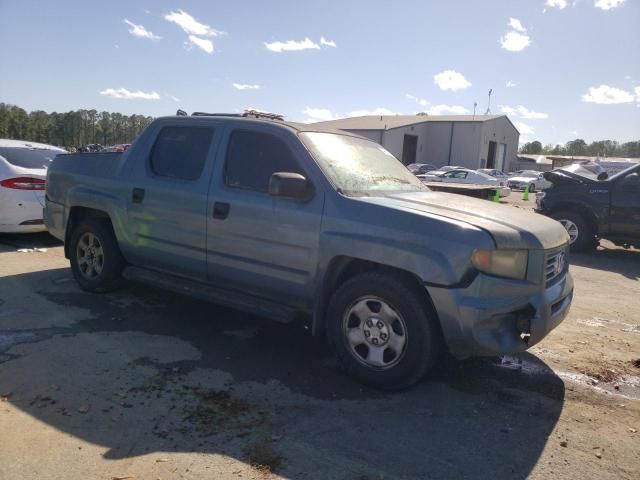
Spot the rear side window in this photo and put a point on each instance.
(252, 158)
(180, 152)
(29, 157)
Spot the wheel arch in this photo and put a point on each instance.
(343, 268)
(76, 215)
(583, 210)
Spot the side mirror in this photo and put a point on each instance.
(290, 185)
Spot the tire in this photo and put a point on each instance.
(579, 229)
(532, 188)
(413, 340)
(96, 261)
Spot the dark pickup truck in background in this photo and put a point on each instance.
(590, 208)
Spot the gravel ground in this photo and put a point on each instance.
(142, 384)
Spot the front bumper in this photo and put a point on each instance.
(499, 316)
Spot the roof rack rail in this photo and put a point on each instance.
(205, 114)
(249, 112)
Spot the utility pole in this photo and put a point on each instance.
(489, 103)
(475, 104)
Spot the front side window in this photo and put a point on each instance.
(252, 157)
(181, 152)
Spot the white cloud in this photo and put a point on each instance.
(606, 95)
(560, 4)
(523, 128)
(451, 80)
(511, 84)
(608, 4)
(420, 101)
(515, 41)
(291, 46)
(175, 99)
(245, 86)
(202, 43)
(190, 25)
(523, 112)
(637, 92)
(124, 93)
(516, 25)
(377, 111)
(328, 43)
(442, 109)
(318, 114)
(140, 32)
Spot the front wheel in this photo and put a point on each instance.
(532, 188)
(96, 261)
(384, 332)
(581, 235)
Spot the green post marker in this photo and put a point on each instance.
(525, 195)
(496, 196)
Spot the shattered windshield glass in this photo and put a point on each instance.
(358, 166)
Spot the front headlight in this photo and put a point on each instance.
(502, 263)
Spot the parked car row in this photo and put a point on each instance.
(456, 174)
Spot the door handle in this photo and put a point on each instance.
(137, 196)
(221, 210)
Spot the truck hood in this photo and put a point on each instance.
(509, 226)
(563, 177)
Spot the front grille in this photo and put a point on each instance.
(555, 265)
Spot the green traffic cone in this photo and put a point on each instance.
(496, 196)
(525, 195)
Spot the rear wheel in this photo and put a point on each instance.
(383, 330)
(581, 235)
(96, 261)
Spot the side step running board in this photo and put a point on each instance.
(208, 293)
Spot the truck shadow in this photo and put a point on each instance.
(617, 260)
(145, 371)
(29, 240)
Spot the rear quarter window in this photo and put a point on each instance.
(29, 157)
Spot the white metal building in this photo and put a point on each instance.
(480, 141)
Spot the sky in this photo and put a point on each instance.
(560, 69)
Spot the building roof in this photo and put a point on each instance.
(388, 122)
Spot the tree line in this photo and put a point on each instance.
(580, 148)
(70, 129)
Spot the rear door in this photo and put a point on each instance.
(624, 218)
(257, 243)
(167, 199)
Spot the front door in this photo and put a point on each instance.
(167, 201)
(409, 149)
(257, 243)
(625, 206)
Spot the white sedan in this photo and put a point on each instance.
(527, 178)
(464, 175)
(23, 173)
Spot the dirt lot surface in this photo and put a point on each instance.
(141, 384)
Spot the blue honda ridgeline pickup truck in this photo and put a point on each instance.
(292, 221)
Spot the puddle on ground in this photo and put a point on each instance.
(625, 386)
(11, 338)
